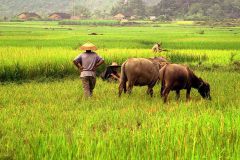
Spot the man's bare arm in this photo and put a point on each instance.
(116, 77)
(78, 65)
(99, 63)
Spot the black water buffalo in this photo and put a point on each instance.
(177, 77)
(140, 72)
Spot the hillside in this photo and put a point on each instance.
(43, 7)
(163, 9)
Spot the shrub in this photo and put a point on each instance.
(91, 22)
(201, 32)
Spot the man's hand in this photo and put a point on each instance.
(115, 77)
(80, 69)
(98, 64)
(78, 65)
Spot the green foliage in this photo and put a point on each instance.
(173, 9)
(225, 23)
(201, 32)
(98, 14)
(46, 50)
(90, 22)
(16, 20)
(131, 8)
(52, 120)
(82, 11)
(198, 10)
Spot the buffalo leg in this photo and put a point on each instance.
(150, 91)
(120, 89)
(125, 87)
(177, 94)
(188, 94)
(165, 94)
(130, 87)
(122, 86)
(162, 89)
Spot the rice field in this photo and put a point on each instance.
(32, 49)
(24, 63)
(44, 116)
(91, 22)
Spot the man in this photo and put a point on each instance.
(157, 48)
(87, 63)
(111, 73)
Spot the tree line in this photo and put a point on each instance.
(180, 9)
(169, 9)
(162, 9)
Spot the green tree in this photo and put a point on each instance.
(82, 11)
(231, 8)
(137, 7)
(133, 7)
(100, 14)
(165, 8)
(215, 12)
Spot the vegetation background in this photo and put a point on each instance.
(164, 9)
(43, 114)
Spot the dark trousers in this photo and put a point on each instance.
(88, 83)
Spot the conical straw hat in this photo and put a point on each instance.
(114, 64)
(88, 46)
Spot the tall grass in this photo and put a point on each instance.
(31, 50)
(53, 121)
(50, 34)
(31, 63)
(90, 22)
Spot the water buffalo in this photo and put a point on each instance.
(140, 72)
(177, 77)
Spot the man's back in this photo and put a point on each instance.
(88, 61)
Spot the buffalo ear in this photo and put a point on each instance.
(208, 85)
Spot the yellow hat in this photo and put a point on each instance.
(114, 64)
(88, 46)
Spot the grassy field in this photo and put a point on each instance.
(32, 49)
(52, 121)
(173, 36)
(44, 116)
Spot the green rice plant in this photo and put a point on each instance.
(201, 32)
(52, 120)
(32, 50)
(173, 36)
(90, 22)
(22, 63)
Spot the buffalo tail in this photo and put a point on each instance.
(123, 80)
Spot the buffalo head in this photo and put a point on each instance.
(204, 90)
